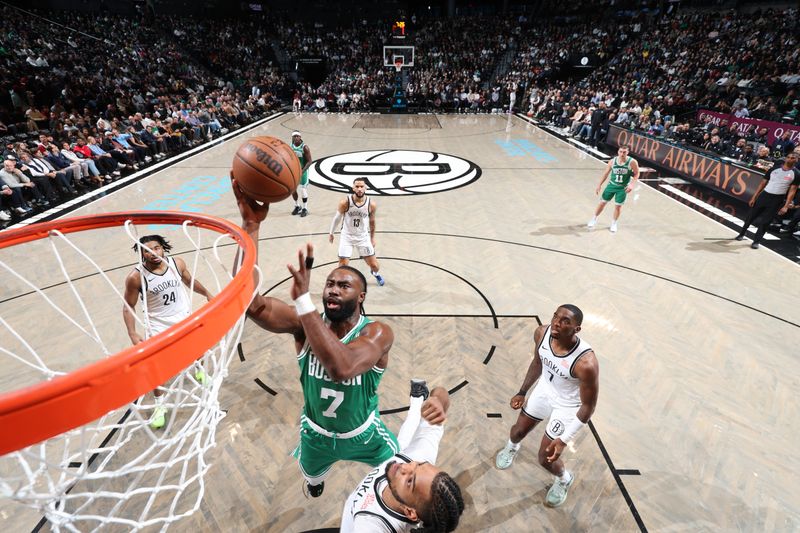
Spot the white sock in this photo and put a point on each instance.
(511, 446)
(565, 477)
(373, 272)
(159, 400)
(297, 203)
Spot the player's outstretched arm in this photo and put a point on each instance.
(133, 284)
(269, 313)
(534, 371)
(342, 361)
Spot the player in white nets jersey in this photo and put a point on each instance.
(568, 385)
(407, 491)
(358, 228)
(162, 279)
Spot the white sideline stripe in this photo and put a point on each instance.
(588, 148)
(151, 168)
(526, 119)
(711, 209)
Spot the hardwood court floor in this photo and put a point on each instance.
(695, 335)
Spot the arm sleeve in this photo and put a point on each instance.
(336, 222)
(424, 445)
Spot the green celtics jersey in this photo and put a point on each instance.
(300, 152)
(621, 174)
(338, 407)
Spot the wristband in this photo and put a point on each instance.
(521, 393)
(303, 304)
(571, 430)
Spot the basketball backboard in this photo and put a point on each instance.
(392, 55)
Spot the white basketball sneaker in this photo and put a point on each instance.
(505, 457)
(592, 223)
(557, 494)
(613, 228)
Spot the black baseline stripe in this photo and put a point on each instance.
(604, 262)
(264, 386)
(489, 355)
(631, 472)
(458, 387)
(494, 415)
(620, 484)
(476, 289)
(562, 252)
(241, 352)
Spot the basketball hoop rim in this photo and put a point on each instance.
(39, 412)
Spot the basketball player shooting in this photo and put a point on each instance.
(167, 302)
(407, 492)
(567, 378)
(358, 212)
(342, 356)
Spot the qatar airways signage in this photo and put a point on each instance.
(732, 180)
(745, 126)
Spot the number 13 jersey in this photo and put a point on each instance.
(355, 228)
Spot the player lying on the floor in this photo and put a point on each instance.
(407, 492)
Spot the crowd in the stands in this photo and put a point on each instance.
(88, 98)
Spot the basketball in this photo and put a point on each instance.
(266, 169)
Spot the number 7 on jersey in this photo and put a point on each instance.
(338, 398)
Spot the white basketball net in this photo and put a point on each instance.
(117, 470)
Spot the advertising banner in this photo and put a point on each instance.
(733, 180)
(747, 125)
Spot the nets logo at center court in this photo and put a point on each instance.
(394, 172)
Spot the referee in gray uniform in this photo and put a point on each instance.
(771, 199)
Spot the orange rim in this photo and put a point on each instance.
(41, 411)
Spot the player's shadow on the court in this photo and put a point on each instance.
(576, 229)
(718, 246)
(496, 515)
